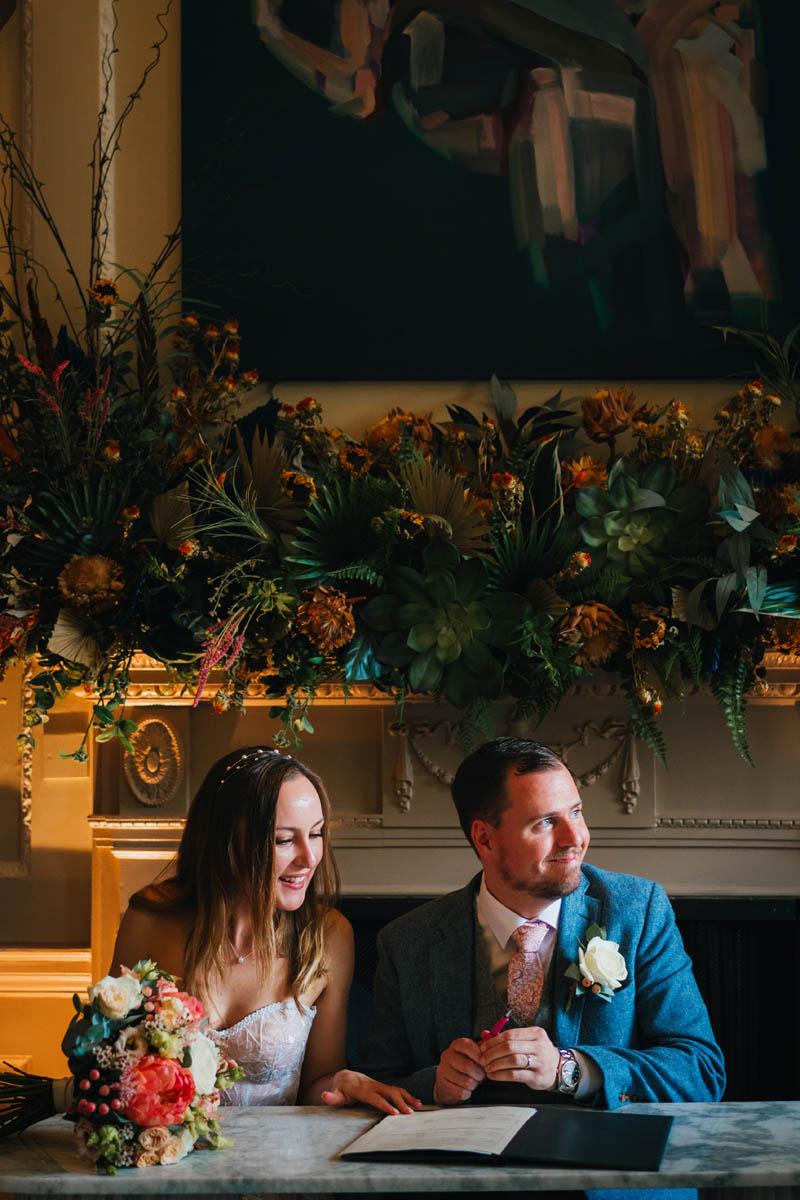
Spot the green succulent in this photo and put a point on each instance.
(442, 624)
(630, 522)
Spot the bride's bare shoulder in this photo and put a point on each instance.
(157, 933)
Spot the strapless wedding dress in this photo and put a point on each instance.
(270, 1044)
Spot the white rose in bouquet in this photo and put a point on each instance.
(176, 1148)
(204, 1064)
(601, 962)
(116, 997)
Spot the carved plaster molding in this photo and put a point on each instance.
(154, 770)
(357, 823)
(410, 733)
(696, 822)
(162, 824)
(21, 866)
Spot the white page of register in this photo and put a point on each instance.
(479, 1130)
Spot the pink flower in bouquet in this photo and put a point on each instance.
(195, 1006)
(156, 1091)
(209, 1104)
(166, 987)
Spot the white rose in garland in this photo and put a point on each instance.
(600, 969)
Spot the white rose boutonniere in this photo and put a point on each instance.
(600, 969)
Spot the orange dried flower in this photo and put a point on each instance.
(597, 627)
(354, 459)
(91, 581)
(326, 619)
(584, 471)
(607, 412)
(300, 488)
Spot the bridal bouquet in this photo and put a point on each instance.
(145, 1079)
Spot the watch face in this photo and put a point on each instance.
(570, 1075)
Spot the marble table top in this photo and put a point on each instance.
(291, 1150)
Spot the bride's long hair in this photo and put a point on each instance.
(227, 852)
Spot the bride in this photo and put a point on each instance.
(247, 921)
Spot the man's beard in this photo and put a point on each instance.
(542, 889)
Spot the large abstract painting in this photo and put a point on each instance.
(542, 188)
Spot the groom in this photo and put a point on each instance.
(624, 1025)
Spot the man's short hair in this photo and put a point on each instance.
(479, 787)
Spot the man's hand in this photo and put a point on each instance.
(459, 1072)
(521, 1056)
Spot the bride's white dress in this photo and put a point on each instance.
(270, 1044)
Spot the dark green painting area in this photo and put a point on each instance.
(351, 251)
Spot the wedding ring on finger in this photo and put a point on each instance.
(528, 1061)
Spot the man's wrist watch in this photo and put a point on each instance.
(569, 1073)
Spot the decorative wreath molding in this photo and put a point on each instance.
(155, 768)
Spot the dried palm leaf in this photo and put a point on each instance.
(262, 472)
(171, 516)
(440, 497)
(71, 639)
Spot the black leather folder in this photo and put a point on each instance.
(555, 1137)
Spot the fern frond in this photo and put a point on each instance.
(728, 685)
(477, 724)
(645, 725)
(362, 571)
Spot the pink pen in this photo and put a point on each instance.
(498, 1028)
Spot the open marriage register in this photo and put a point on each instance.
(557, 1136)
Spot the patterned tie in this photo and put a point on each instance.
(525, 974)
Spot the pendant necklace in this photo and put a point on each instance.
(240, 958)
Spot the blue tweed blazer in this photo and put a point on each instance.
(653, 1041)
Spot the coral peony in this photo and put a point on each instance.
(156, 1091)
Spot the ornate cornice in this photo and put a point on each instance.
(698, 822)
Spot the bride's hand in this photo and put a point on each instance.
(351, 1087)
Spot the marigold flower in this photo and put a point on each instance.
(250, 377)
(177, 395)
(232, 352)
(409, 524)
(189, 548)
(786, 544)
(211, 333)
(189, 321)
(230, 385)
(650, 631)
(355, 460)
(131, 512)
(104, 292)
(111, 451)
(300, 489)
(231, 327)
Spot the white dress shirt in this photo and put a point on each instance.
(497, 924)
